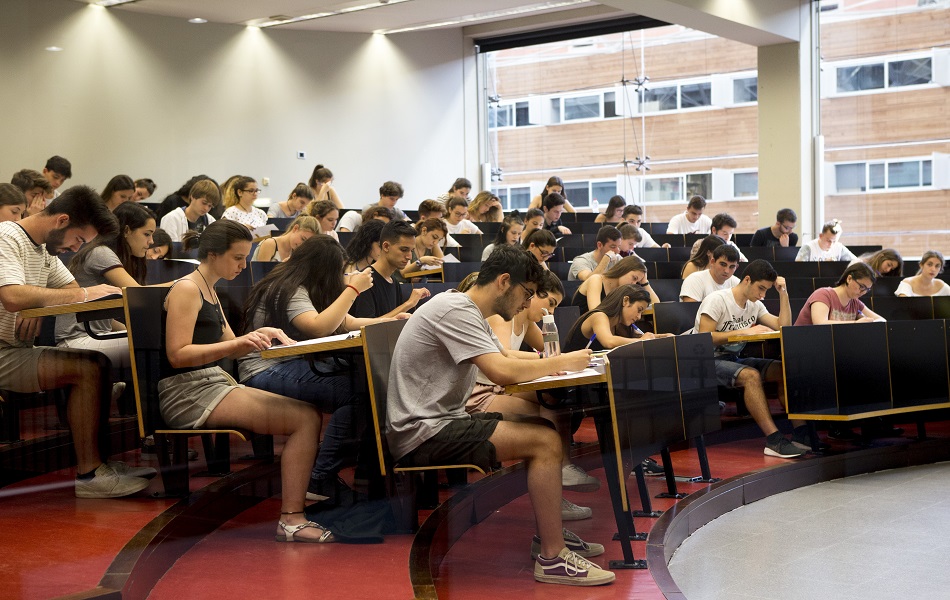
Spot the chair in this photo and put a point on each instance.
(282, 224)
(783, 254)
(742, 240)
(379, 342)
(674, 317)
(673, 239)
(455, 272)
(668, 270)
(800, 287)
(833, 268)
(471, 253)
(145, 320)
(653, 254)
(561, 269)
(162, 271)
(571, 253)
(679, 253)
(894, 308)
(758, 252)
(656, 228)
(668, 290)
(259, 269)
(345, 236)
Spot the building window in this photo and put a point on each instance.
(698, 184)
(603, 191)
(610, 105)
(693, 95)
(915, 71)
(745, 90)
(582, 107)
(885, 175)
(885, 74)
(499, 116)
(555, 110)
(578, 192)
(857, 78)
(658, 99)
(745, 185)
(850, 178)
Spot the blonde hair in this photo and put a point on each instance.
(231, 197)
(494, 214)
(305, 223)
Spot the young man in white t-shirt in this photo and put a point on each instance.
(739, 311)
(718, 276)
(723, 226)
(633, 214)
(600, 258)
(693, 220)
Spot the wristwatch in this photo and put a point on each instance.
(418, 263)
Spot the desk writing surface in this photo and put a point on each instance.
(424, 273)
(586, 377)
(917, 354)
(105, 303)
(755, 337)
(324, 344)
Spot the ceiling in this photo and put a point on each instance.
(383, 16)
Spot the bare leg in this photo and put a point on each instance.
(526, 404)
(751, 382)
(540, 448)
(86, 375)
(264, 412)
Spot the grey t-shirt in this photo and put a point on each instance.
(432, 374)
(253, 364)
(99, 260)
(581, 262)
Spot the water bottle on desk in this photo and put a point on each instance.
(552, 343)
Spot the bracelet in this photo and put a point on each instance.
(353, 287)
(85, 295)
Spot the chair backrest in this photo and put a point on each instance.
(162, 271)
(379, 342)
(674, 317)
(145, 323)
(259, 269)
(667, 289)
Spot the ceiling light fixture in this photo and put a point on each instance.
(53, 49)
(273, 22)
(108, 3)
(487, 15)
(197, 20)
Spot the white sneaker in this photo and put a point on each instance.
(568, 568)
(124, 469)
(576, 479)
(573, 512)
(117, 390)
(106, 483)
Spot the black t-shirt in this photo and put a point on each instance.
(199, 225)
(170, 203)
(764, 237)
(378, 300)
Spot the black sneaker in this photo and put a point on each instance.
(783, 449)
(331, 490)
(652, 468)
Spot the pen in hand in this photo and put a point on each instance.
(589, 342)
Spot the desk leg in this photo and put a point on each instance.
(707, 477)
(646, 506)
(671, 491)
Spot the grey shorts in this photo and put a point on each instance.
(729, 365)
(461, 442)
(19, 369)
(187, 399)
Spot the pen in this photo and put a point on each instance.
(636, 329)
(591, 341)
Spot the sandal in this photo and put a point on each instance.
(291, 530)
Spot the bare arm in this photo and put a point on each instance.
(20, 297)
(317, 324)
(784, 318)
(504, 370)
(600, 325)
(119, 277)
(266, 250)
(416, 295)
(708, 325)
(595, 289)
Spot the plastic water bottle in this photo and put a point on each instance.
(552, 342)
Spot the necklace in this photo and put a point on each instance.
(214, 296)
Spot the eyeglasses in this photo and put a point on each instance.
(529, 295)
(545, 255)
(254, 191)
(863, 288)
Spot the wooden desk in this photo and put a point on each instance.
(425, 273)
(755, 337)
(588, 376)
(343, 341)
(107, 303)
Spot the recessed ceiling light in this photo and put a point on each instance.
(286, 20)
(108, 3)
(53, 49)
(197, 20)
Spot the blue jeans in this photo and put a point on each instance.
(329, 394)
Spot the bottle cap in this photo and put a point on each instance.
(547, 319)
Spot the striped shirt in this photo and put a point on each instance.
(24, 262)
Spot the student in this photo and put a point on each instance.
(925, 282)
(613, 214)
(702, 256)
(384, 299)
(425, 250)
(119, 190)
(718, 275)
(203, 196)
(389, 194)
(461, 188)
(119, 261)
(327, 214)
(886, 262)
(239, 201)
(739, 311)
(195, 392)
(629, 238)
(456, 219)
(426, 418)
(722, 227)
(508, 233)
(35, 187)
(826, 246)
(56, 172)
(486, 396)
(363, 248)
(431, 209)
(144, 188)
(553, 185)
(541, 244)
(12, 203)
(599, 259)
(693, 220)
(779, 234)
(611, 323)
(307, 296)
(633, 215)
(179, 198)
(320, 184)
(533, 220)
(32, 277)
(280, 248)
(293, 206)
(553, 206)
(161, 245)
(629, 270)
(841, 303)
(486, 208)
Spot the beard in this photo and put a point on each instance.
(54, 241)
(505, 306)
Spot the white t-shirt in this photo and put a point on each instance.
(175, 224)
(700, 284)
(721, 307)
(812, 252)
(680, 224)
(904, 288)
(647, 240)
(463, 225)
(254, 219)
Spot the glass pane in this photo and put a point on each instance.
(745, 185)
(696, 94)
(585, 107)
(850, 178)
(521, 114)
(659, 99)
(519, 197)
(745, 90)
(603, 191)
(699, 183)
(499, 116)
(663, 189)
(876, 176)
(555, 110)
(502, 194)
(860, 77)
(927, 175)
(578, 192)
(610, 105)
(909, 72)
(903, 174)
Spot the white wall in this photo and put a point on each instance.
(158, 97)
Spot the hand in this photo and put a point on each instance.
(273, 333)
(664, 335)
(430, 260)
(362, 280)
(37, 206)
(648, 336)
(564, 230)
(402, 316)
(612, 256)
(28, 328)
(575, 361)
(780, 286)
(865, 320)
(665, 246)
(468, 229)
(783, 240)
(98, 291)
(759, 329)
(418, 294)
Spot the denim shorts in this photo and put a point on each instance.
(729, 365)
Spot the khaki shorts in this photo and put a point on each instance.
(187, 399)
(19, 369)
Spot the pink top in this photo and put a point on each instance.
(836, 311)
